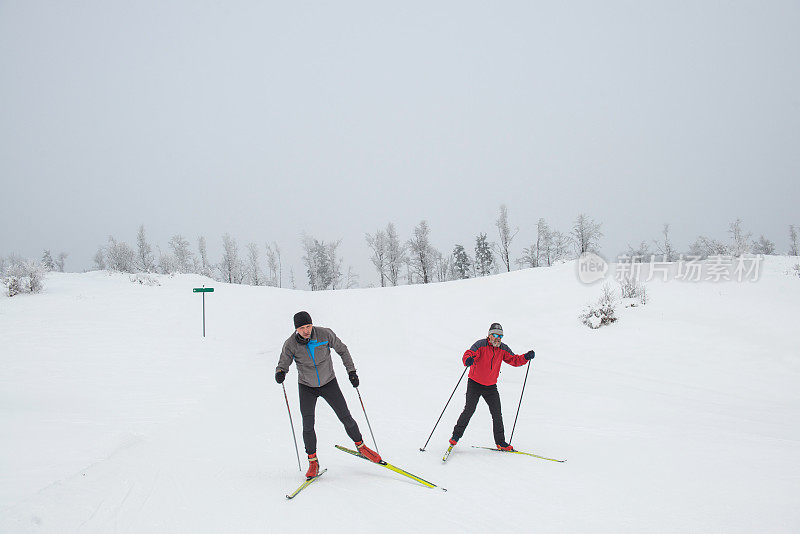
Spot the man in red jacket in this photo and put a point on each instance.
(485, 357)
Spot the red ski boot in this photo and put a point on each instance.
(368, 453)
(453, 442)
(313, 466)
(505, 447)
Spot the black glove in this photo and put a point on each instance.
(280, 376)
(353, 378)
(469, 361)
(529, 355)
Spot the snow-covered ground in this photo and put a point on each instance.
(684, 416)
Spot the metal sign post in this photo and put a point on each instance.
(203, 290)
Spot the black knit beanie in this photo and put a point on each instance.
(301, 319)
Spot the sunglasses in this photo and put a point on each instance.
(498, 336)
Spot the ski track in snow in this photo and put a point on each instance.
(681, 417)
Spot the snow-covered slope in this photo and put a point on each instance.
(117, 416)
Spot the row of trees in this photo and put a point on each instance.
(396, 261)
(418, 261)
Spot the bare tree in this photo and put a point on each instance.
(443, 266)
(741, 240)
(794, 242)
(182, 255)
(378, 244)
(763, 246)
(586, 234)
(506, 236)
(254, 277)
(275, 265)
(352, 278)
(664, 247)
(560, 247)
(145, 261)
(231, 268)
(422, 253)
(396, 255)
(291, 278)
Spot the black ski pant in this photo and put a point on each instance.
(334, 397)
(492, 397)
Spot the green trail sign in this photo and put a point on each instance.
(203, 290)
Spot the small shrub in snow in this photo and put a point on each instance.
(633, 291)
(145, 279)
(602, 312)
(797, 269)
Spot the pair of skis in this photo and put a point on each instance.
(450, 449)
(382, 463)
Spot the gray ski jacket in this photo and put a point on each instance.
(313, 358)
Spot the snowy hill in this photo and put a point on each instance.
(117, 416)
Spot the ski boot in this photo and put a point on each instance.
(313, 466)
(368, 453)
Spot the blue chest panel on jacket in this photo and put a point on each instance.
(313, 344)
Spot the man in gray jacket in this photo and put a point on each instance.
(310, 348)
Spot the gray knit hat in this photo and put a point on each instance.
(496, 329)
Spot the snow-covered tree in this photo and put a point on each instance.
(640, 253)
(462, 264)
(586, 234)
(47, 261)
(352, 278)
(664, 247)
(23, 276)
(166, 262)
(703, 247)
(763, 246)
(318, 263)
(560, 247)
(60, 261)
(484, 259)
(145, 261)
(253, 269)
(204, 267)
(336, 264)
(740, 239)
(396, 255)
(442, 266)
(544, 244)
(292, 283)
(100, 259)
(794, 241)
(506, 236)
(184, 259)
(231, 268)
(119, 256)
(274, 265)
(422, 255)
(378, 244)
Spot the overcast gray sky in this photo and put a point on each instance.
(265, 120)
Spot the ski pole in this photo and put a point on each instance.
(292, 423)
(367, 418)
(445, 407)
(520, 401)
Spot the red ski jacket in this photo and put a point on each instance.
(488, 359)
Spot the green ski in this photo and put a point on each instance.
(392, 468)
(305, 484)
